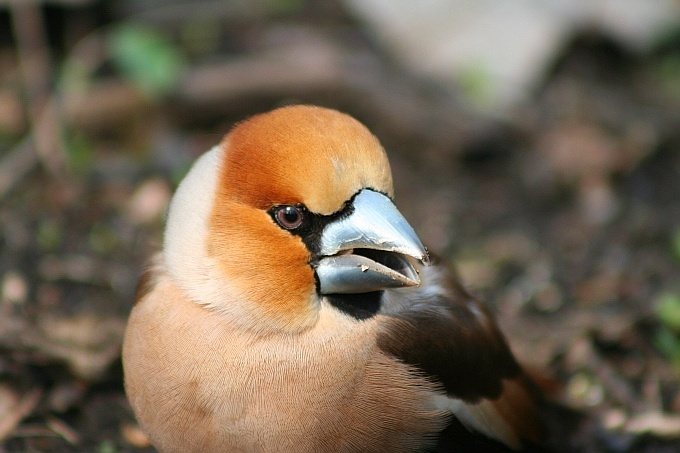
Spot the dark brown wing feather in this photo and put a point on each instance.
(450, 336)
(454, 339)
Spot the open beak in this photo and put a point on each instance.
(369, 250)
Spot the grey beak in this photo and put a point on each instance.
(369, 250)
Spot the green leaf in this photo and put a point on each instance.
(107, 446)
(476, 82)
(668, 310)
(146, 57)
(79, 152)
(668, 344)
(676, 243)
(669, 71)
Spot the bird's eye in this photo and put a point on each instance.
(289, 217)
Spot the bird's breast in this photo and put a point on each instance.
(199, 384)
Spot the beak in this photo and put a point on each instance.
(370, 249)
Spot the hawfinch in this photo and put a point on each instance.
(294, 309)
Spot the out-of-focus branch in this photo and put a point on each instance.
(35, 66)
(16, 164)
(22, 409)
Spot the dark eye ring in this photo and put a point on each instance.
(289, 217)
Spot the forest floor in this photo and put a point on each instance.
(564, 216)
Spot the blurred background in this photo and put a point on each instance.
(534, 144)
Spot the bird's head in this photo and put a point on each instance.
(292, 206)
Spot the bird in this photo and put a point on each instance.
(293, 308)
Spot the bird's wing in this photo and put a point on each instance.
(448, 334)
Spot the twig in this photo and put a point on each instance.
(63, 430)
(16, 164)
(32, 431)
(23, 409)
(617, 386)
(34, 62)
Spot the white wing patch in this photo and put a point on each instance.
(482, 417)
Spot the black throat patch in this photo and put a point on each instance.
(359, 306)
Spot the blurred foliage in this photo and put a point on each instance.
(102, 238)
(676, 244)
(668, 312)
(668, 336)
(667, 62)
(49, 235)
(108, 446)
(142, 54)
(146, 57)
(74, 77)
(669, 71)
(476, 82)
(79, 152)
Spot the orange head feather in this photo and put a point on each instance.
(293, 155)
